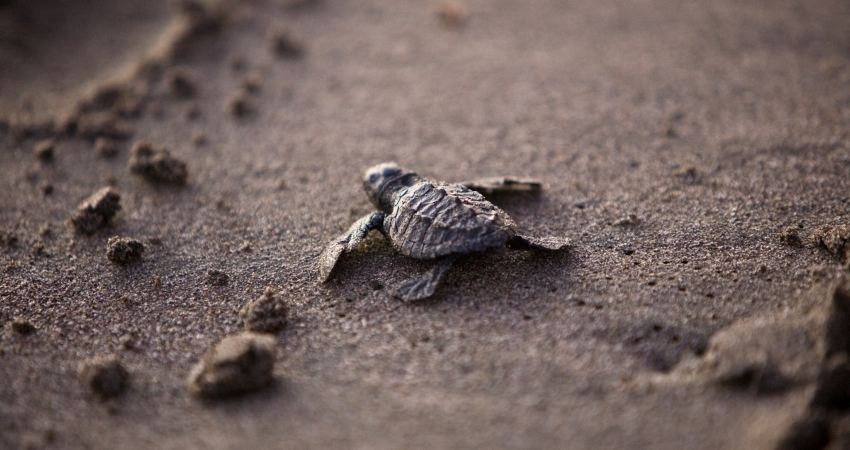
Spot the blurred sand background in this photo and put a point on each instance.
(696, 153)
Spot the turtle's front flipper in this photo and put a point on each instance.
(346, 242)
(424, 286)
(547, 243)
(502, 185)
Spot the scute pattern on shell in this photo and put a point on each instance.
(436, 219)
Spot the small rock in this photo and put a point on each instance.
(105, 148)
(156, 164)
(452, 13)
(43, 150)
(181, 82)
(23, 326)
(124, 250)
(238, 364)
(266, 313)
(285, 43)
(217, 277)
(105, 376)
(96, 211)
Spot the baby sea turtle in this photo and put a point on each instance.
(428, 219)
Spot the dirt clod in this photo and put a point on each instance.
(105, 148)
(266, 313)
(105, 376)
(155, 163)
(124, 250)
(23, 326)
(217, 277)
(790, 237)
(96, 211)
(285, 43)
(835, 239)
(238, 364)
(43, 150)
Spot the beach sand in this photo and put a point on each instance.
(697, 154)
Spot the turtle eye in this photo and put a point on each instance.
(373, 178)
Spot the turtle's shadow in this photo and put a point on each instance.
(491, 273)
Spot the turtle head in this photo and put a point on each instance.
(381, 182)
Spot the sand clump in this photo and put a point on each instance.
(765, 355)
(124, 250)
(102, 124)
(835, 239)
(285, 43)
(104, 376)
(791, 237)
(96, 211)
(43, 150)
(23, 327)
(240, 104)
(217, 277)
(826, 417)
(238, 364)
(155, 163)
(266, 313)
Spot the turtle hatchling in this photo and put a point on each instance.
(427, 219)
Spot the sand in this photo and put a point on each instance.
(681, 146)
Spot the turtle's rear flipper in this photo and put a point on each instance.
(546, 243)
(502, 185)
(346, 242)
(424, 286)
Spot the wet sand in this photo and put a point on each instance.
(693, 153)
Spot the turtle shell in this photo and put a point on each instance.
(431, 219)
